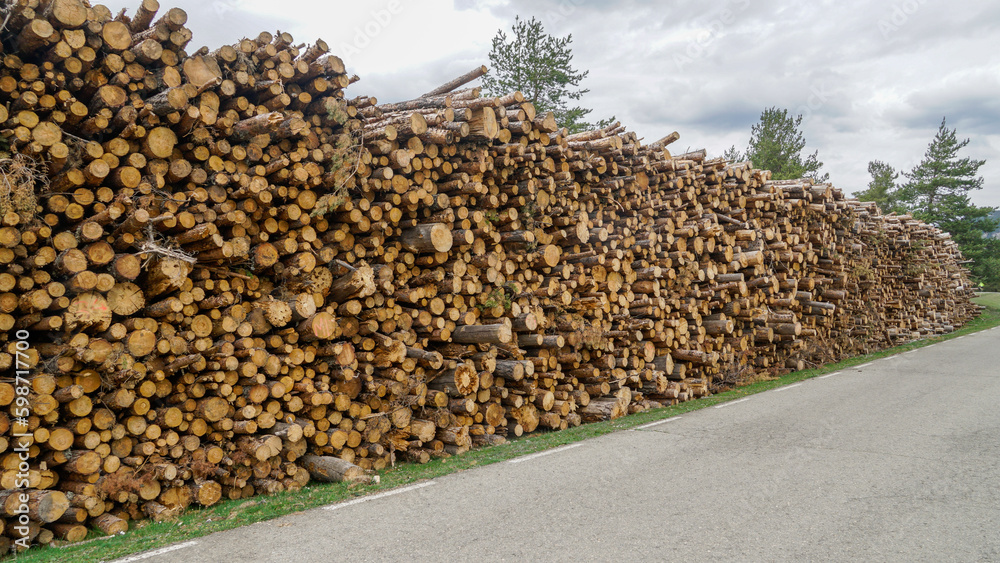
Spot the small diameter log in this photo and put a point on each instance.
(126, 299)
(717, 327)
(158, 512)
(602, 409)
(460, 81)
(287, 432)
(144, 15)
(262, 447)
(166, 275)
(696, 356)
(202, 72)
(462, 380)
(212, 409)
(69, 532)
(159, 142)
(332, 469)
(513, 370)
(126, 267)
(482, 334)
(89, 311)
(455, 435)
(108, 96)
(34, 35)
(433, 360)
(84, 462)
(43, 505)
(432, 237)
(66, 14)
(672, 137)
(111, 524)
(321, 326)
(422, 430)
(340, 352)
(206, 492)
(664, 364)
(258, 125)
(265, 255)
(359, 283)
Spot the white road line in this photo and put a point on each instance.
(652, 424)
(863, 365)
(359, 500)
(155, 552)
(546, 452)
(829, 375)
(732, 402)
(787, 387)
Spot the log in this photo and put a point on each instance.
(433, 237)
(358, 283)
(457, 82)
(484, 334)
(333, 470)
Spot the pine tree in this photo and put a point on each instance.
(776, 144)
(733, 154)
(882, 187)
(539, 65)
(938, 191)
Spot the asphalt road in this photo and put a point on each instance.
(898, 460)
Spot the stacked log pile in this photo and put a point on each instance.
(233, 277)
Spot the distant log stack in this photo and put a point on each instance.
(236, 279)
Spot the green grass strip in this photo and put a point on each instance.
(146, 535)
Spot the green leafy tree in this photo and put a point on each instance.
(776, 144)
(539, 65)
(882, 187)
(938, 191)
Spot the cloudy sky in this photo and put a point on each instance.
(872, 79)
